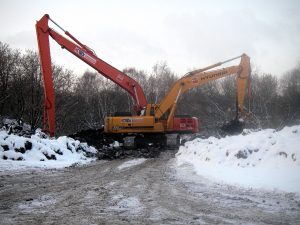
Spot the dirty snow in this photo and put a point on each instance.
(266, 159)
(39, 205)
(131, 163)
(131, 204)
(17, 152)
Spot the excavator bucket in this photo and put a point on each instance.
(235, 126)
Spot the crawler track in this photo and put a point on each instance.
(108, 148)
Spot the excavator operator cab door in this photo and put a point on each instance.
(150, 110)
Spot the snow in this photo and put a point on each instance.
(17, 152)
(116, 144)
(131, 163)
(266, 159)
(32, 205)
(131, 204)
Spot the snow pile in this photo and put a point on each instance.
(37, 151)
(266, 159)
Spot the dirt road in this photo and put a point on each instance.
(152, 192)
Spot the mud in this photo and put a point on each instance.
(152, 192)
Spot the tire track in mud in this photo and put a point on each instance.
(152, 192)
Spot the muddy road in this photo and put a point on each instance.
(152, 191)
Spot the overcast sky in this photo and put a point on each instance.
(186, 34)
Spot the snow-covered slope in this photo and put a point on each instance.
(39, 151)
(267, 159)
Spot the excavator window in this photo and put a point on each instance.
(152, 111)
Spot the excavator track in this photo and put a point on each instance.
(111, 147)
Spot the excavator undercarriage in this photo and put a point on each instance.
(122, 146)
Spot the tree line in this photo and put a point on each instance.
(82, 102)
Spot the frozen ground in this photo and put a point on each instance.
(139, 191)
(266, 159)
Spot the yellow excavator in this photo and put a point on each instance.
(157, 122)
(151, 124)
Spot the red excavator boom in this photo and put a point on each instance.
(88, 56)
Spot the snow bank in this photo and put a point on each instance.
(37, 151)
(266, 159)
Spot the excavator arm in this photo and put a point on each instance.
(84, 53)
(199, 77)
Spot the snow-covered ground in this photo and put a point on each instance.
(266, 159)
(18, 152)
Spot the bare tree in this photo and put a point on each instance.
(31, 93)
(9, 60)
(290, 95)
(159, 82)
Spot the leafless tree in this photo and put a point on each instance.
(9, 60)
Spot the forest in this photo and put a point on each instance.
(84, 100)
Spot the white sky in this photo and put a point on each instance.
(186, 34)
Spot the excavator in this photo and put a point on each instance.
(150, 124)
